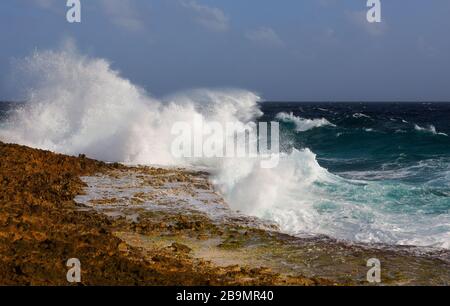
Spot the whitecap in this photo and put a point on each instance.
(430, 129)
(360, 115)
(302, 124)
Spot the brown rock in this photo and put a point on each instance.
(178, 247)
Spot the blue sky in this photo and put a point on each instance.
(306, 50)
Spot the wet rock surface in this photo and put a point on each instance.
(166, 209)
(41, 227)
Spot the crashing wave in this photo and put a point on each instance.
(80, 105)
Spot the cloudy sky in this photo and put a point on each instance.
(305, 50)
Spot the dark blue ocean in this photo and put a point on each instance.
(370, 137)
(394, 161)
(367, 172)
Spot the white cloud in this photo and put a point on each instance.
(122, 13)
(266, 36)
(47, 4)
(211, 18)
(50, 5)
(327, 3)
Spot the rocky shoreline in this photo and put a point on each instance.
(55, 207)
(41, 227)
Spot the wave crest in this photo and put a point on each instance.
(81, 105)
(429, 129)
(302, 124)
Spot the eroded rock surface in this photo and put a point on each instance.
(178, 210)
(41, 227)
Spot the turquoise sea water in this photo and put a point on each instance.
(380, 172)
(390, 161)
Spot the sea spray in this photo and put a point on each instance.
(79, 105)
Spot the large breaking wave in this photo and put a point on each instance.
(79, 105)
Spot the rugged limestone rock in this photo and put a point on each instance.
(41, 227)
(120, 242)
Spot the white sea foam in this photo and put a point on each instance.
(360, 115)
(429, 129)
(80, 105)
(304, 198)
(302, 124)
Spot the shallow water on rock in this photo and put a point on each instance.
(183, 207)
